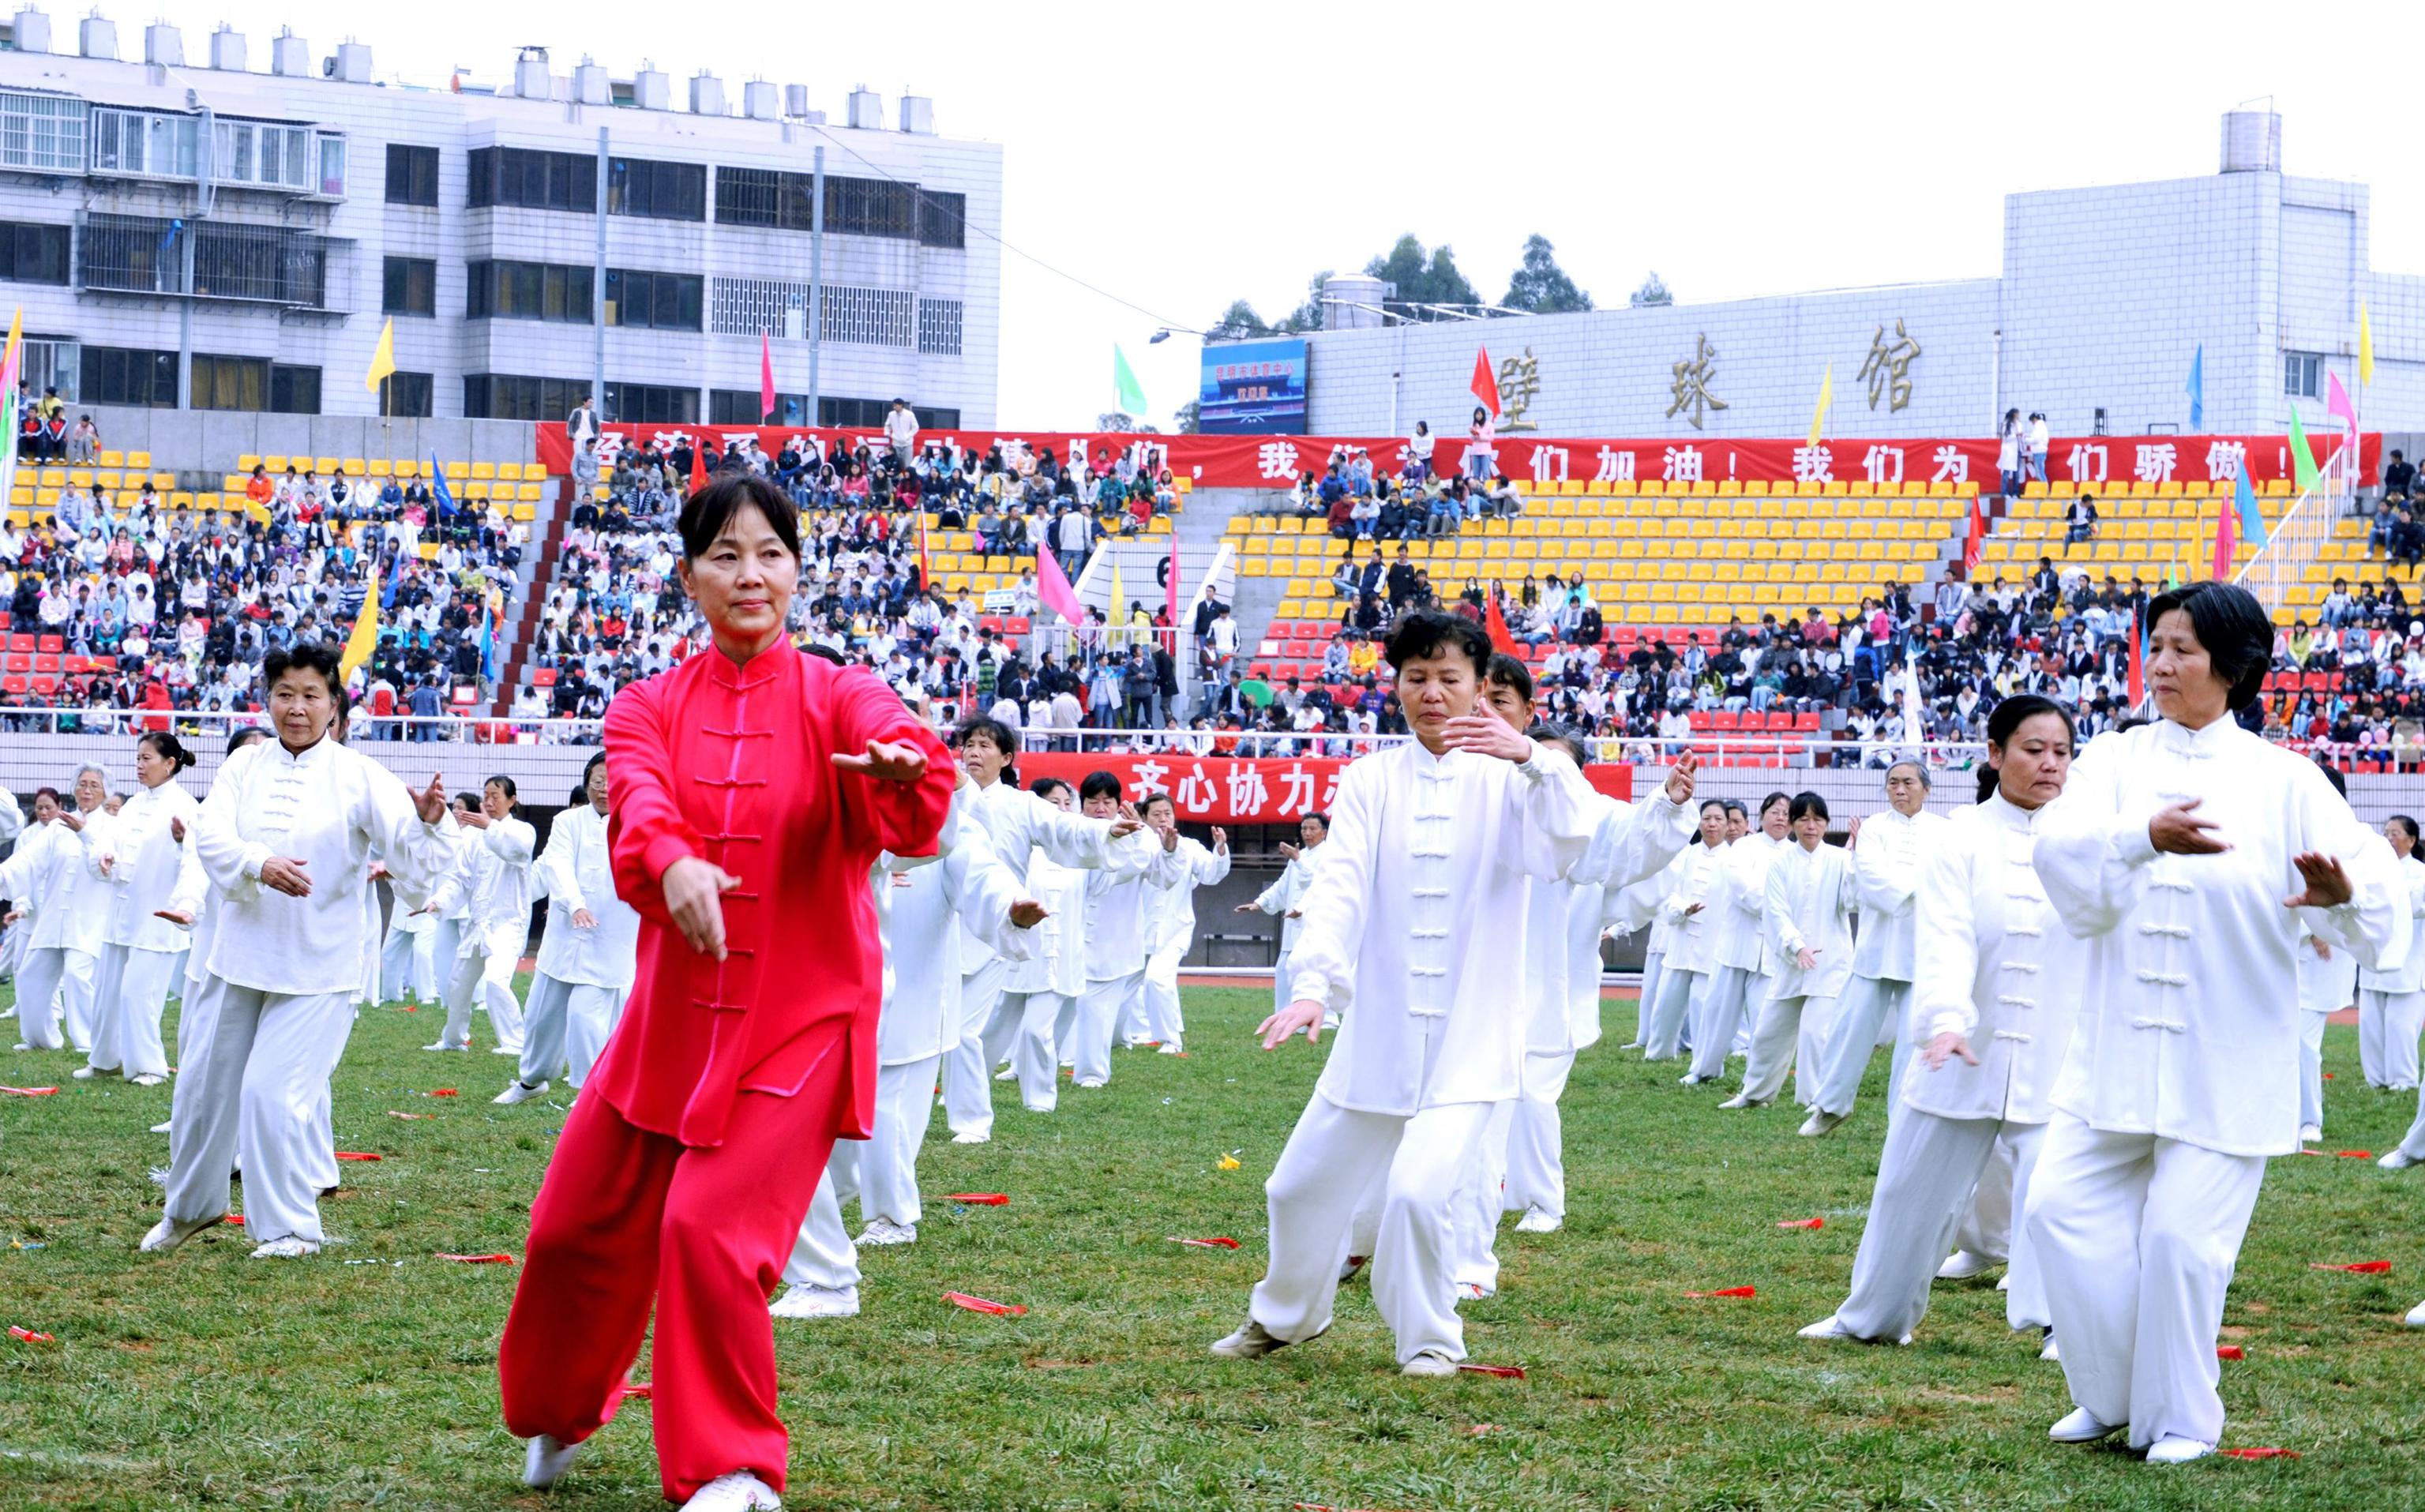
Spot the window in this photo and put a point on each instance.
(668, 191)
(332, 167)
(411, 287)
(941, 218)
(265, 155)
(662, 301)
(873, 317)
(121, 375)
(739, 407)
(42, 133)
(939, 328)
(854, 207)
(50, 362)
(405, 395)
(651, 404)
(2301, 374)
(533, 179)
(529, 291)
(504, 397)
(230, 382)
(871, 208)
(752, 307)
(293, 391)
(868, 414)
(412, 174)
(33, 254)
(150, 143)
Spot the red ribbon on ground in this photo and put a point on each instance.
(1512, 1373)
(1218, 1241)
(639, 1389)
(978, 1304)
(979, 1200)
(355, 1155)
(30, 1091)
(2229, 1352)
(30, 1336)
(1478, 1429)
(1731, 1291)
(2355, 1155)
(236, 1219)
(443, 1091)
(2363, 1267)
(480, 1259)
(2259, 1454)
(393, 1114)
(1802, 1223)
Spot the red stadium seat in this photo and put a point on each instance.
(12, 684)
(45, 687)
(47, 664)
(22, 643)
(544, 677)
(52, 645)
(20, 661)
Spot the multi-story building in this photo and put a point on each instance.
(210, 236)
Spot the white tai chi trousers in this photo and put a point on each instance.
(1473, 1214)
(1280, 983)
(1536, 1163)
(485, 979)
(1663, 1034)
(1869, 1007)
(565, 1027)
(968, 1070)
(129, 990)
(1716, 1017)
(2311, 1070)
(1790, 1038)
(1099, 1015)
(1034, 1019)
(257, 1077)
(1331, 1157)
(2137, 1237)
(1925, 1177)
(409, 964)
(2387, 1026)
(50, 980)
(1986, 1227)
(2413, 1143)
(1654, 965)
(885, 1167)
(1163, 1022)
(823, 1254)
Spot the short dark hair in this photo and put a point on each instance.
(1428, 633)
(1318, 817)
(1773, 800)
(302, 657)
(1043, 787)
(2006, 722)
(705, 513)
(992, 729)
(501, 779)
(2231, 627)
(2406, 823)
(1734, 806)
(1146, 802)
(244, 735)
(1509, 672)
(1806, 805)
(1566, 737)
(1099, 786)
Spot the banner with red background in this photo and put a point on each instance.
(1237, 790)
(2095, 463)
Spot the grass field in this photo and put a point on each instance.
(206, 1379)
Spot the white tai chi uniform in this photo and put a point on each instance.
(2183, 1073)
(51, 879)
(2391, 999)
(1040, 995)
(1808, 905)
(1119, 908)
(1018, 823)
(1282, 899)
(1414, 926)
(1170, 928)
(2326, 986)
(1692, 945)
(143, 857)
(1996, 967)
(1738, 895)
(1649, 893)
(582, 976)
(493, 877)
(408, 958)
(1885, 875)
(281, 971)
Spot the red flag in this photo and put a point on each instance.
(1495, 622)
(1218, 1241)
(2138, 663)
(2259, 1454)
(765, 376)
(698, 468)
(925, 573)
(355, 1154)
(479, 1259)
(1173, 592)
(1486, 384)
(2227, 539)
(1976, 541)
(2229, 1352)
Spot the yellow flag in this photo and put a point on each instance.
(1119, 615)
(1826, 397)
(382, 357)
(364, 639)
(2364, 345)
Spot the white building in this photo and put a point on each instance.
(197, 230)
(2106, 295)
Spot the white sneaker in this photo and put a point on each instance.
(23, 1045)
(289, 1248)
(886, 1232)
(1689, 1079)
(1743, 1100)
(1819, 1123)
(2172, 1449)
(444, 1045)
(1830, 1326)
(1171, 1047)
(2399, 1160)
(159, 1128)
(1251, 1342)
(517, 1092)
(978, 1137)
(1353, 1263)
(1092, 1082)
(2310, 1132)
(737, 1492)
(1474, 1291)
(145, 1079)
(816, 1302)
(2079, 1426)
(84, 1073)
(1428, 1363)
(501, 1050)
(2416, 1316)
(1962, 1264)
(1536, 1221)
(1007, 1074)
(169, 1233)
(547, 1461)
(2052, 1350)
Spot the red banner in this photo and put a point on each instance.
(1232, 790)
(2095, 463)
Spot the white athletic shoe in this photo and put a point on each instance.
(1962, 1264)
(1474, 1291)
(1428, 1363)
(145, 1079)
(2079, 1426)
(501, 1050)
(886, 1232)
(980, 1137)
(84, 1073)
(289, 1248)
(1092, 1083)
(2416, 1316)
(1832, 1326)
(159, 1128)
(444, 1045)
(1008, 1073)
(2399, 1160)
(1743, 1100)
(169, 1233)
(547, 1460)
(1251, 1342)
(1819, 1123)
(2052, 1350)
(737, 1492)
(816, 1302)
(1536, 1221)
(1689, 1079)
(2310, 1132)
(1172, 1047)
(517, 1092)
(23, 1045)
(2172, 1449)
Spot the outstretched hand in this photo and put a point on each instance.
(431, 801)
(1937, 1051)
(1486, 734)
(886, 762)
(285, 874)
(1027, 913)
(176, 916)
(2179, 829)
(1679, 779)
(2328, 885)
(1303, 1016)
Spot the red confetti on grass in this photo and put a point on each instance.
(2229, 1352)
(2328, 1076)
(355, 1155)
(443, 1091)
(1731, 1291)
(1802, 1223)
(29, 1336)
(2363, 1267)
(236, 1219)
(1480, 1428)
(393, 1114)
(30, 1091)
(480, 1259)
(978, 1304)
(2259, 1454)
(1217, 1242)
(642, 1390)
(2355, 1155)
(1512, 1373)
(979, 1200)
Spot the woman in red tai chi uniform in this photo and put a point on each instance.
(754, 787)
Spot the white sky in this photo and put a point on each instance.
(1180, 157)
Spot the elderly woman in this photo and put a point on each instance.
(2186, 854)
(142, 855)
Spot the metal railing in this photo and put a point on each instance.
(2297, 540)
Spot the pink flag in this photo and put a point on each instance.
(2336, 402)
(1173, 594)
(2227, 539)
(1052, 588)
(765, 376)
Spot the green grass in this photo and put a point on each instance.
(204, 1380)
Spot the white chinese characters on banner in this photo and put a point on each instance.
(1883, 464)
(1814, 464)
(1952, 466)
(1614, 466)
(1296, 791)
(2086, 463)
(1683, 465)
(2156, 462)
(1549, 464)
(1277, 458)
(1196, 792)
(2224, 460)
(1247, 792)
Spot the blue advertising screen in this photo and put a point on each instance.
(1252, 388)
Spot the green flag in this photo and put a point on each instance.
(1125, 385)
(2302, 460)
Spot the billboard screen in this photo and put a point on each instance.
(1253, 387)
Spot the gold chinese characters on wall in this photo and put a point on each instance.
(1887, 368)
(1691, 388)
(1520, 384)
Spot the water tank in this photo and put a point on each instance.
(98, 37)
(31, 30)
(761, 101)
(866, 109)
(290, 57)
(227, 50)
(354, 62)
(918, 115)
(590, 85)
(651, 89)
(1351, 301)
(2252, 141)
(706, 94)
(531, 79)
(795, 100)
(163, 45)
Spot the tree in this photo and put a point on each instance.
(1308, 316)
(1116, 422)
(1651, 293)
(1240, 320)
(1188, 418)
(1421, 278)
(1539, 285)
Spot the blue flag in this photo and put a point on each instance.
(2252, 518)
(2196, 389)
(488, 650)
(437, 488)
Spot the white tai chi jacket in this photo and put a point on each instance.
(1020, 824)
(1057, 961)
(1630, 843)
(50, 877)
(1738, 893)
(333, 809)
(490, 882)
(577, 871)
(2188, 1021)
(1285, 893)
(1995, 966)
(925, 905)
(1809, 906)
(1120, 909)
(1172, 917)
(2325, 985)
(1885, 875)
(144, 858)
(1414, 927)
(2407, 973)
(1691, 937)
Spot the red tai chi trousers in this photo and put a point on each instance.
(626, 1218)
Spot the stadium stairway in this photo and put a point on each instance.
(530, 594)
